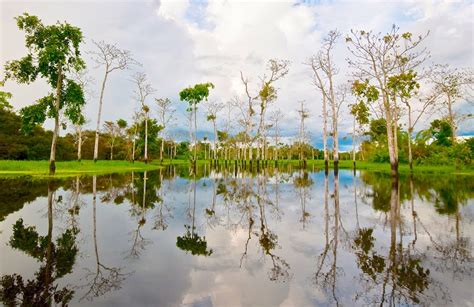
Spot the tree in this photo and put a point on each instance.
(114, 130)
(451, 84)
(267, 94)
(324, 71)
(213, 108)
(53, 52)
(442, 131)
(303, 113)
(84, 80)
(404, 85)
(142, 91)
(360, 112)
(165, 117)
(275, 119)
(111, 58)
(376, 58)
(193, 96)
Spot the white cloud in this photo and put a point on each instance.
(184, 42)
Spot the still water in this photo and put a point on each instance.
(280, 237)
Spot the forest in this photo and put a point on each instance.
(392, 87)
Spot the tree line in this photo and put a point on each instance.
(390, 81)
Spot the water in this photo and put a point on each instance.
(226, 238)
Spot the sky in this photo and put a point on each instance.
(184, 42)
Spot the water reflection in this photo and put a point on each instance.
(362, 238)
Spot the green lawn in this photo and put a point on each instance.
(10, 168)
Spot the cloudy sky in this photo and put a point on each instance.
(181, 43)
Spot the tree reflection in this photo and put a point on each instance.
(103, 279)
(327, 270)
(57, 259)
(302, 184)
(191, 241)
(396, 278)
(148, 199)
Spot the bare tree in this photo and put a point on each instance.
(267, 94)
(214, 107)
(375, 58)
(304, 114)
(324, 71)
(165, 117)
(275, 119)
(142, 91)
(111, 58)
(85, 81)
(452, 85)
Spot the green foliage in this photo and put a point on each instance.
(196, 94)
(57, 260)
(193, 243)
(441, 131)
(53, 51)
(403, 85)
(361, 113)
(365, 91)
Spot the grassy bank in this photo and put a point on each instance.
(364, 165)
(10, 168)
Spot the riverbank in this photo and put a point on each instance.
(12, 168)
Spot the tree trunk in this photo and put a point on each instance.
(391, 137)
(410, 130)
(112, 152)
(215, 139)
(162, 148)
(96, 143)
(146, 139)
(354, 143)
(79, 145)
(52, 157)
(133, 150)
(325, 137)
(451, 119)
(195, 133)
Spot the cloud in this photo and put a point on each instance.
(181, 43)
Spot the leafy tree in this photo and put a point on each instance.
(193, 96)
(441, 130)
(53, 52)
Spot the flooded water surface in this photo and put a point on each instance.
(279, 237)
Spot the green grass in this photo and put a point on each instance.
(371, 166)
(9, 168)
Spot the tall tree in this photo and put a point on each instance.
(142, 91)
(83, 78)
(53, 52)
(304, 114)
(267, 93)
(111, 58)
(275, 118)
(324, 71)
(213, 108)
(165, 117)
(376, 58)
(193, 96)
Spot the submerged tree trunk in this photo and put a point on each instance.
(96, 143)
(57, 104)
(354, 143)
